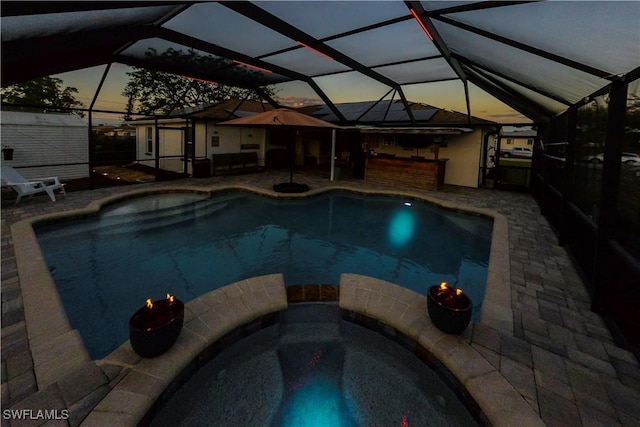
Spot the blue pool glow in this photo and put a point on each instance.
(314, 369)
(402, 228)
(316, 404)
(105, 267)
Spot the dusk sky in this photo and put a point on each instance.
(544, 55)
(390, 44)
(447, 95)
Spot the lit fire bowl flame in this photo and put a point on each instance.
(449, 308)
(155, 327)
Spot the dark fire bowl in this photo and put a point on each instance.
(448, 319)
(153, 335)
(290, 187)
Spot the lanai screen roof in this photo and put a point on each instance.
(537, 57)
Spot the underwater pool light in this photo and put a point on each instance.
(317, 404)
(401, 228)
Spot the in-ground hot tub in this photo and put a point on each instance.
(315, 369)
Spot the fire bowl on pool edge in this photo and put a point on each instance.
(449, 312)
(154, 329)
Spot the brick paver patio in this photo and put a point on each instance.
(560, 356)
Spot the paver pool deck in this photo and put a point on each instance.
(537, 336)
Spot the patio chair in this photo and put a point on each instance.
(344, 160)
(29, 187)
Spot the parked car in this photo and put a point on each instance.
(627, 157)
(517, 152)
(631, 159)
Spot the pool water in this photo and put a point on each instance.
(313, 369)
(187, 244)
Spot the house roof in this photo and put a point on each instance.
(537, 57)
(225, 110)
(230, 109)
(520, 134)
(392, 113)
(41, 119)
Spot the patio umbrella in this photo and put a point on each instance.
(282, 118)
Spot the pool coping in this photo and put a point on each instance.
(406, 312)
(58, 350)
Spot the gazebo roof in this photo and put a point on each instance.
(537, 57)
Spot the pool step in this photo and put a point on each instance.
(321, 332)
(307, 322)
(144, 221)
(138, 221)
(312, 312)
(153, 203)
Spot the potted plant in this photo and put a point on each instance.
(449, 308)
(154, 328)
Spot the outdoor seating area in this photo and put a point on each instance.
(231, 163)
(29, 187)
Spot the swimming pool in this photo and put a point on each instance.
(314, 369)
(188, 244)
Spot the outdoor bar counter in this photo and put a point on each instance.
(419, 173)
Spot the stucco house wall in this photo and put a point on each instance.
(209, 139)
(171, 138)
(524, 139)
(234, 139)
(462, 150)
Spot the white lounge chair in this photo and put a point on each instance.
(29, 187)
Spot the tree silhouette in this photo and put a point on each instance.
(45, 94)
(158, 92)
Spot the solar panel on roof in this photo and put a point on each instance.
(424, 115)
(323, 110)
(240, 113)
(352, 115)
(328, 118)
(354, 107)
(386, 110)
(373, 116)
(397, 116)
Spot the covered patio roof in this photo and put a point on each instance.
(537, 57)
